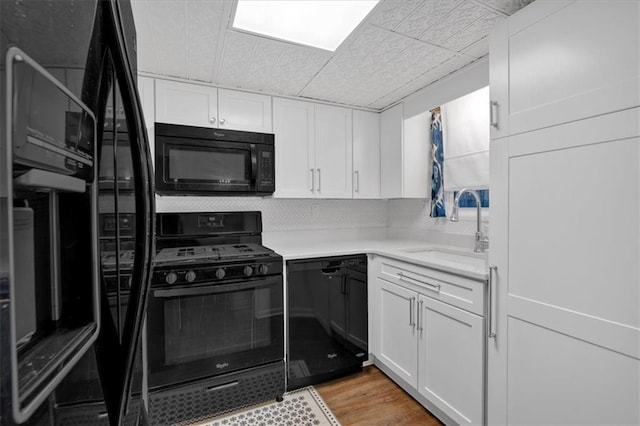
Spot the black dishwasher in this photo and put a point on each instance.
(327, 318)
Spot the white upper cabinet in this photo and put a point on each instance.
(184, 103)
(366, 154)
(404, 154)
(294, 129)
(244, 111)
(549, 66)
(391, 152)
(206, 106)
(333, 152)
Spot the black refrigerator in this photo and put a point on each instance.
(76, 214)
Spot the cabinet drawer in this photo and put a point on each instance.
(458, 291)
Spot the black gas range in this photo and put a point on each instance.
(215, 324)
(214, 263)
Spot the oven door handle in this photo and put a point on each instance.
(214, 288)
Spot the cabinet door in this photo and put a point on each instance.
(294, 128)
(451, 360)
(244, 111)
(391, 152)
(397, 339)
(559, 70)
(333, 152)
(184, 103)
(568, 325)
(366, 154)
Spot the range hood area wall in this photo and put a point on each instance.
(282, 218)
(290, 214)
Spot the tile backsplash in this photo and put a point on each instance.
(401, 218)
(289, 214)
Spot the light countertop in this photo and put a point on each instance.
(400, 249)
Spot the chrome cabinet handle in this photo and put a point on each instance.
(222, 121)
(420, 328)
(357, 173)
(212, 119)
(313, 180)
(319, 180)
(432, 287)
(493, 118)
(411, 302)
(492, 301)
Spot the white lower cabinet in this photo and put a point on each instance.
(450, 360)
(435, 350)
(397, 331)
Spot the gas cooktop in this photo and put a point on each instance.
(211, 253)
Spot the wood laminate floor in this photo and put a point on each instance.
(370, 398)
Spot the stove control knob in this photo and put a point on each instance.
(190, 276)
(220, 273)
(248, 271)
(171, 277)
(263, 269)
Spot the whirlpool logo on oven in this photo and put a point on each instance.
(222, 365)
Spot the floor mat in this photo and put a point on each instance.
(302, 407)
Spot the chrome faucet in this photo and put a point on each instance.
(482, 241)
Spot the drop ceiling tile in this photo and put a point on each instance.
(478, 49)
(398, 56)
(169, 35)
(439, 33)
(506, 6)
(461, 40)
(203, 30)
(389, 13)
(415, 25)
(147, 50)
(465, 14)
(438, 9)
(485, 23)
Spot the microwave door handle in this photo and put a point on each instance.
(254, 165)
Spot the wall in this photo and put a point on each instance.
(410, 218)
(280, 217)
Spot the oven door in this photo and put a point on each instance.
(192, 166)
(195, 332)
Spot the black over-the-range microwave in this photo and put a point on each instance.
(203, 161)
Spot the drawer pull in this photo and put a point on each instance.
(492, 301)
(412, 300)
(493, 114)
(432, 287)
(223, 386)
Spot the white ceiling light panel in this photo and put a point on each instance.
(318, 23)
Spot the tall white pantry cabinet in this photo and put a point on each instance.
(565, 215)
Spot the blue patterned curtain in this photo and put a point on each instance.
(437, 174)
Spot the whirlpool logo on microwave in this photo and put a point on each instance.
(222, 365)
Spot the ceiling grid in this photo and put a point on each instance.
(400, 47)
